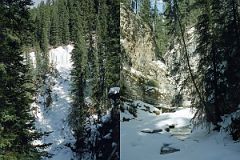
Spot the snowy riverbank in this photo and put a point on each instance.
(198, 145)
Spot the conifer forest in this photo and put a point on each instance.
(119, 79)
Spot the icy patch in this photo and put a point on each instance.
(33, 58)
(61, 57)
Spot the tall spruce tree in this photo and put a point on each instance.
(78, 73)
(44, 26)
(145, 11)
(63, 14)
(101, 34)
(16, 123)
(74, 12)
(54, 30)
(113, 46)
(207, 48)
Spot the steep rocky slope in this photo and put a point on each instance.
(144, 77)
(175, 59)
(165, 83)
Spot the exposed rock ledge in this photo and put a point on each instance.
(144, 77)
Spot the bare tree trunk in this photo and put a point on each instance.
(216, 115)
(186, 53)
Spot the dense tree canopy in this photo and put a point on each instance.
(16, 123)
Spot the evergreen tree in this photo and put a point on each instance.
(74, 13)
(113, 46)
(16, 124)
(214, 46)
(63, 14)
(207, 48)
(96, 64)
(161, 36)
(101, 33)
(231, 45)
(54, 30)
(145, 11)
(154, 17)
(44, 26)
(78, 73)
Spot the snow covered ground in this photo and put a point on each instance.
(198, 145)
(53, 119)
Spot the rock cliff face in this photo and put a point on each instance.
(143, 76)
(136, 39)
(178, 70)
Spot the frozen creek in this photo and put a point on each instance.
(53, 118)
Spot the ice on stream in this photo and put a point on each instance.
(53, 119)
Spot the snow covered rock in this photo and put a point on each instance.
(166, 149)
(152, 131)
(114, 90)
(114, 95)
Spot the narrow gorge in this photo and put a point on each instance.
(157, 97)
